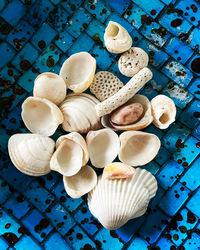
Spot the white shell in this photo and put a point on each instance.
(163, 111)
(103, 146)
(41, 116)
(50, 86)
(138, 148)
(117, 39)
(114, 202)
(31, 153)
(81, 183)
(132, 61)
(78, 71)
(79, 113)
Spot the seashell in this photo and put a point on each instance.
(138, 148)
(132, 61)
(50, 86)
(103, 146)
(31, 153)
(143, 122)
(114, 202)
(163, 111)
(68, 158)
(125, 93)
(104, 85)
(78, 71)
(76, 137)
(79, 113)
(41, 116)
(118, 170)
(81, 183)
(116, 38)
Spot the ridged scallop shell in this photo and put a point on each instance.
(79, 113)
(31, 153)
(103, 146)
(81, 183)
(41, 116)
(117, 39)
(50, 86)
(138, 148)
(163, 111)
(78, 71)
(114, 202)
(143, 122)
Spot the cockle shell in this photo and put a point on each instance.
(114, 202)
(138, 148)
(103, 146)
(50, 86)
(116, 38)
(81, 183)
(79, 113)
(78, 71)
(41, 115)
(31, 153)
(163, 111)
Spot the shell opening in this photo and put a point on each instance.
(112, 30)
(164, 118)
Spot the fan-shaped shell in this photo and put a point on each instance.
(114, 202)
(41, 115)
(78, 71)
(31, 153)
(103, 146)
(138, 148)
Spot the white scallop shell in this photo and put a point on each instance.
(31, 153)
(81, 183)
(117, 39)
(50, 86)
(103, 146)
(138, 148)
(41, 115)
(163, 111)
(114, 202)
(78, 71)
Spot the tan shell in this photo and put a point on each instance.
(31, 153)
(41, 116)
(138, 148)
(78, 71)
(50, 86)
(81, 183)
(116, 38)
(163, 111)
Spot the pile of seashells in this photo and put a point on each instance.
(121, 192)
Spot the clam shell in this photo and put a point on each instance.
(114, 202)
(78, 71)
(81, 183)
(103, 146)
(116, 38)
(41, 116)
(50, 86)
(31, 153)
(143, 122)
(163, 111)
(138, 148)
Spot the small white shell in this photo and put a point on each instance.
(163, 111)
(132, 61)
(116, 38)
(41, 116)
(50, 86)
(103, 146)
(138, 148)
(78, 71)
(31, 153)
(114, 202)
(81, 183)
